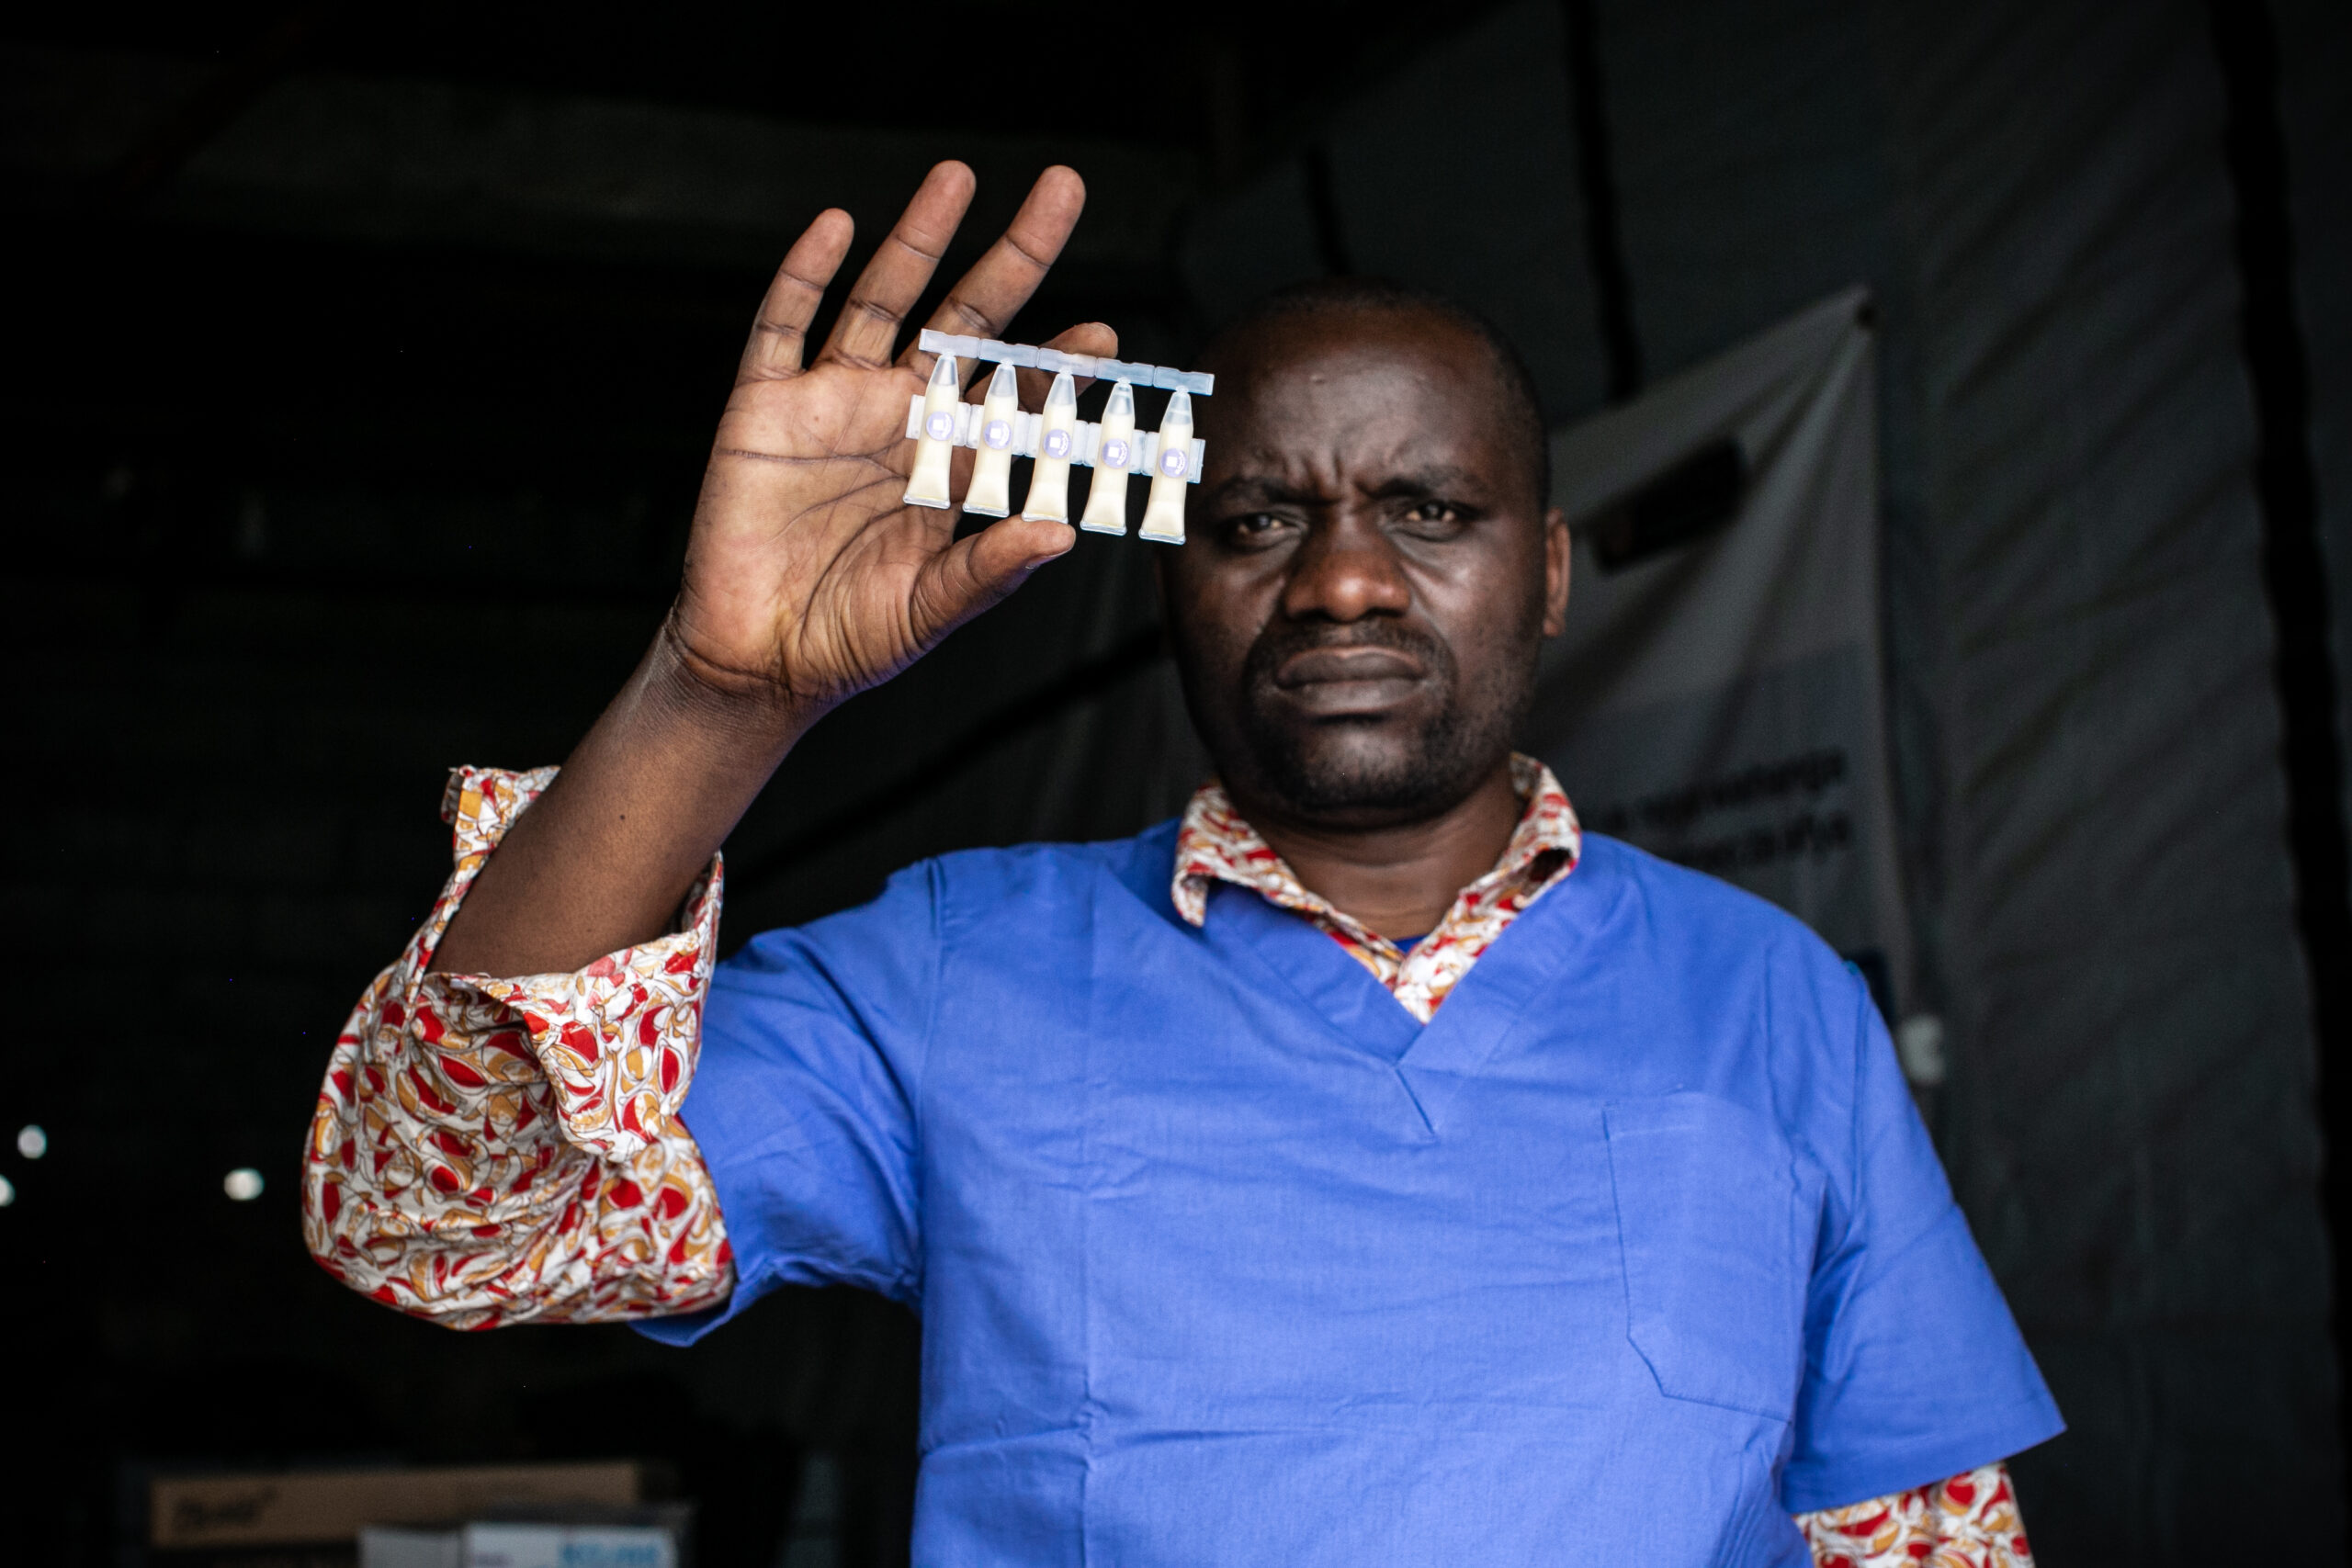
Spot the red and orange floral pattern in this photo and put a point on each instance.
(1215, 843)
(491, 1151)
(1969, 1521)
(496, 1151)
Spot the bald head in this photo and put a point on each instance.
(1517, 412)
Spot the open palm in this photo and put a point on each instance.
(805, 574)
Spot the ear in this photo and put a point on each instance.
(1557, 551)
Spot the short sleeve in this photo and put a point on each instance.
(1915, 1369)
(804, 1105)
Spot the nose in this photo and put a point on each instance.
(1346, 570)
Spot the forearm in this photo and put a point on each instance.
(497, 1151)
(645, 800)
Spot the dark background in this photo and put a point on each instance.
(359, 370)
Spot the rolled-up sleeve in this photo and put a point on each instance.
(490, 1151)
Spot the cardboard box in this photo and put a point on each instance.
(207, 1512)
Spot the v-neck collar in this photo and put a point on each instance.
(1243, 927)
(1482, 1014)
(1493, 1004)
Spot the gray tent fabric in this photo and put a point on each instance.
(2132, 1124)
(1481, 205)
(1718, 701)
(2082, 724)
(2086, 719)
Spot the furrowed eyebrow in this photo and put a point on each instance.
(1258, 491)
(1439, 481)
(1245, 491)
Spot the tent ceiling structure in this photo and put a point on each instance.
(2085, 732)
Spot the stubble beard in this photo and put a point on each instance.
(1373, 772)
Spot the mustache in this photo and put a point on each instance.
(1281, 641)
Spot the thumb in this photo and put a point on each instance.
(975, 573)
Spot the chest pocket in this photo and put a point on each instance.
(1717, 1227)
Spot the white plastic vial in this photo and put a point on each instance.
(1163, 515)
(990, 493)
(1048, 499)
(927, 485)
(1106, 504)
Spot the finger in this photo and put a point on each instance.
(1090, 338)
(985, 300)
(782, 327)
(975, 572)
(901, 269)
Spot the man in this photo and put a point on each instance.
(1370, 1168)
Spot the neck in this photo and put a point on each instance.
(1399, 881)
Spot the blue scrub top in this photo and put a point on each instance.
(1635, 1248)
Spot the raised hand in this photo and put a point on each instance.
(805, 583)
(805, 579)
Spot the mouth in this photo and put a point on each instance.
(1336, 680)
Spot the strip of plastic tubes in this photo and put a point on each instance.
(965, 428)
(938, 421)
(1025, 356)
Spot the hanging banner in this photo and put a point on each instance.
(1717, 697)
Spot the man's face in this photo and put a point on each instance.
(1369, 575)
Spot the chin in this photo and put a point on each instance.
(1369, 772)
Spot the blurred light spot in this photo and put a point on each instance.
(1919, 1045)
(7, 1191)
(243, 1184)
(31, 1142)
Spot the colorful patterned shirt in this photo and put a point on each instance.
(491, 1151)
(1215, 844)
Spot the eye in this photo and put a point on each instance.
(1258, 530)
(1435, 519)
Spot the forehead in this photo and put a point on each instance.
(1335, 393)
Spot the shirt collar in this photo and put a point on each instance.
(1215, 843)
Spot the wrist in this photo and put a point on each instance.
(739, 707)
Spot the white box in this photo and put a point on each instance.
(568, 1546)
